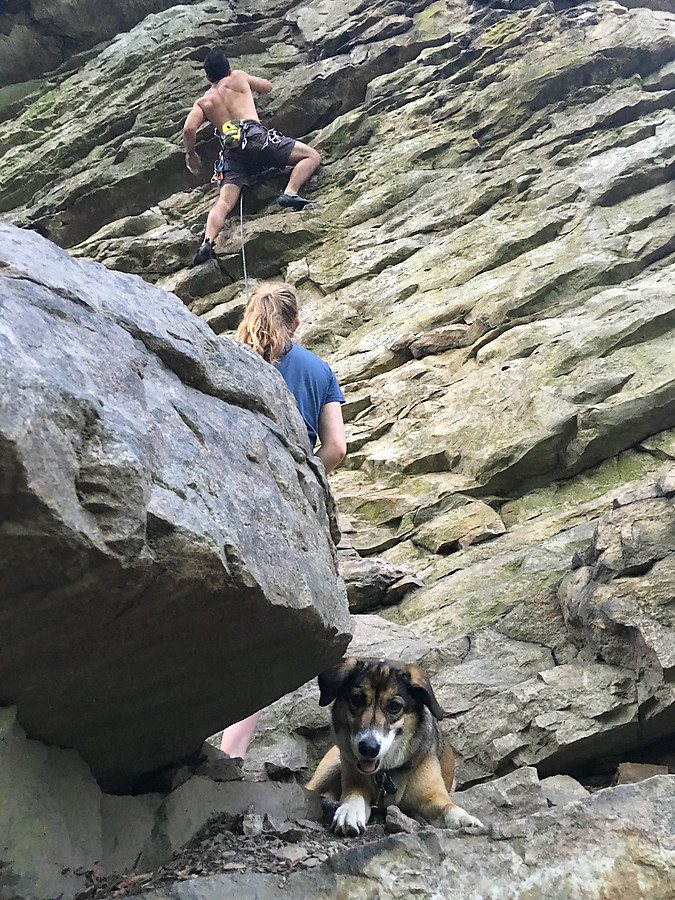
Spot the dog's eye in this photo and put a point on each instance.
(357, 700)
(394, 707)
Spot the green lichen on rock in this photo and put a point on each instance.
(504, 174)
(510, 28)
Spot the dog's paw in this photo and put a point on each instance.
(456, 817)
(351, 817)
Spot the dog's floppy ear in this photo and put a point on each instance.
(421, 686)
(331, 681)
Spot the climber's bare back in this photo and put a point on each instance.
(232, 98)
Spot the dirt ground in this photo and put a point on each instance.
(248, 843)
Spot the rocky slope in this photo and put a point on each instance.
(491, 274)
(39, 35)
(615, 844)
(491, 270)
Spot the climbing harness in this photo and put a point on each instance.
(218, 169)
(232, 136)
(273, 137)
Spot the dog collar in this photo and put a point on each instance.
(386, 785)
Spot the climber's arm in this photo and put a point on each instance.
(332, 436)
(259, 85)
(194, 121)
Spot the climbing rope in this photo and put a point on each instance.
(241, 228)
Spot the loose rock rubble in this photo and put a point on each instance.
(229, 844)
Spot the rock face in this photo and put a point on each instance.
(373, 582)
(491, 275)
(38, 35)
(619, 603)
(50, 817)
(576, 679)
(59, 832)
(162, 519)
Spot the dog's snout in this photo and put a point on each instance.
(369, 747)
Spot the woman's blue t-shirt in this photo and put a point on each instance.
(312, 383)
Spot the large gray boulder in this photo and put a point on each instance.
(166, 558)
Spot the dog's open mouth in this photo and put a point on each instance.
(368, 766)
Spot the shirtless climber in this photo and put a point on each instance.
(247, 147)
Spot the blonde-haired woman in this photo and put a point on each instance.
(269, 323)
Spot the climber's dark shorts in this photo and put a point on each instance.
(265, 148)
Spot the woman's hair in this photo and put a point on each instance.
(268, 320)
(216, 65)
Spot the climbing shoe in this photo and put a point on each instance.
(205, 252)
(293, 201)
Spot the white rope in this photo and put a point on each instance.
(241, 228)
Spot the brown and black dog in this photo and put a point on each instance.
(389, 747)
